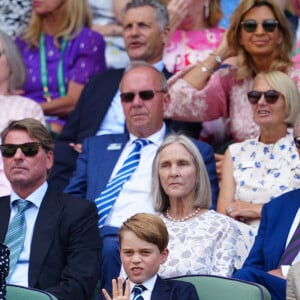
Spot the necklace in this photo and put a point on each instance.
(192, 214)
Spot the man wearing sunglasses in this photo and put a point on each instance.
(144, 96)
(277, 243)
(54, 243)
(99, 111)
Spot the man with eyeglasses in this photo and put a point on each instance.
(53, 237)
(277, 243)
(99, 110)
(144, 99)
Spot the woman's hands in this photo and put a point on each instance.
(117, 290)
(243, 211)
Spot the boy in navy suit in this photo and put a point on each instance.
(143, 247)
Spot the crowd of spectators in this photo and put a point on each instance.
(184, 109)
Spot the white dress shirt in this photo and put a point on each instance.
(296, 221)
(149, 285)
(135, 196)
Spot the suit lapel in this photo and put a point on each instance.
(109, 160)
(161, 290)
(43, 235)
(4, 216)
(287, 212)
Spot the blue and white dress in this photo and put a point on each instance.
(261, 173)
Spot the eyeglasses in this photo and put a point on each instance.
(271, 96)
(297, 141)
(144, 95)
(268, 25)
(28, 149)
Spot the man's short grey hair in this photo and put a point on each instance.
(161, 12)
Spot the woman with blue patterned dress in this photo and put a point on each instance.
(260, 169)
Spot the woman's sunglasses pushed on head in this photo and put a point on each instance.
(268, 25)
(28, 149)
(144, 95)
(271, 96)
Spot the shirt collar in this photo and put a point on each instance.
(148, 284)
(155, 138)
(159, 65)
(36, 197)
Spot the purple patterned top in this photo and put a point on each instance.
(83, 58)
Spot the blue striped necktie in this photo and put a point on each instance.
(138, 290)
(15, 235)
(292, 248)
(109, 195)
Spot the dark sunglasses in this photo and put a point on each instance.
(297, 141)
(268, 25)
(28, 149)
(271, 96)
(144, 95)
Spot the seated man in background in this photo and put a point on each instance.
(277, 243)
(53, 238)
(99, 110)
(144, 97)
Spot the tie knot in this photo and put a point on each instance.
(22, 205)
(141, 143)
(137, 290)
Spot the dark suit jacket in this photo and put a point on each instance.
(165, 289)
(84, 121)
(277, 218)
(96, 163)
(65, 255)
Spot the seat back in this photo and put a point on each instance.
(221, 288)
(16, 292)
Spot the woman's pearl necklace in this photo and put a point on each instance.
(192, 214)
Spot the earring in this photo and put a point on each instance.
(206, 10)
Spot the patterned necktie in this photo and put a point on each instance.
(138, 290)
(292, 249)
(109, 195)
(15, 235)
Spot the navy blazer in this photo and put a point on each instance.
(65, 254)
(276, 221)
(277, 218)
(96, 163)
(85, 120)
(169, 289)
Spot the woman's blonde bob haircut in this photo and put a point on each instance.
(282, 83)
(72, 16)
(283, 51)
(203, 188)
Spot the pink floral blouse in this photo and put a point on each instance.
(223, 96)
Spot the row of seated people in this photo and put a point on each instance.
(180, 185)
(48, 37)
(229, 209)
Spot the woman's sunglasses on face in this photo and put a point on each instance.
(271, 96)
(28, 149)
(144, 95)
(268, 25)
